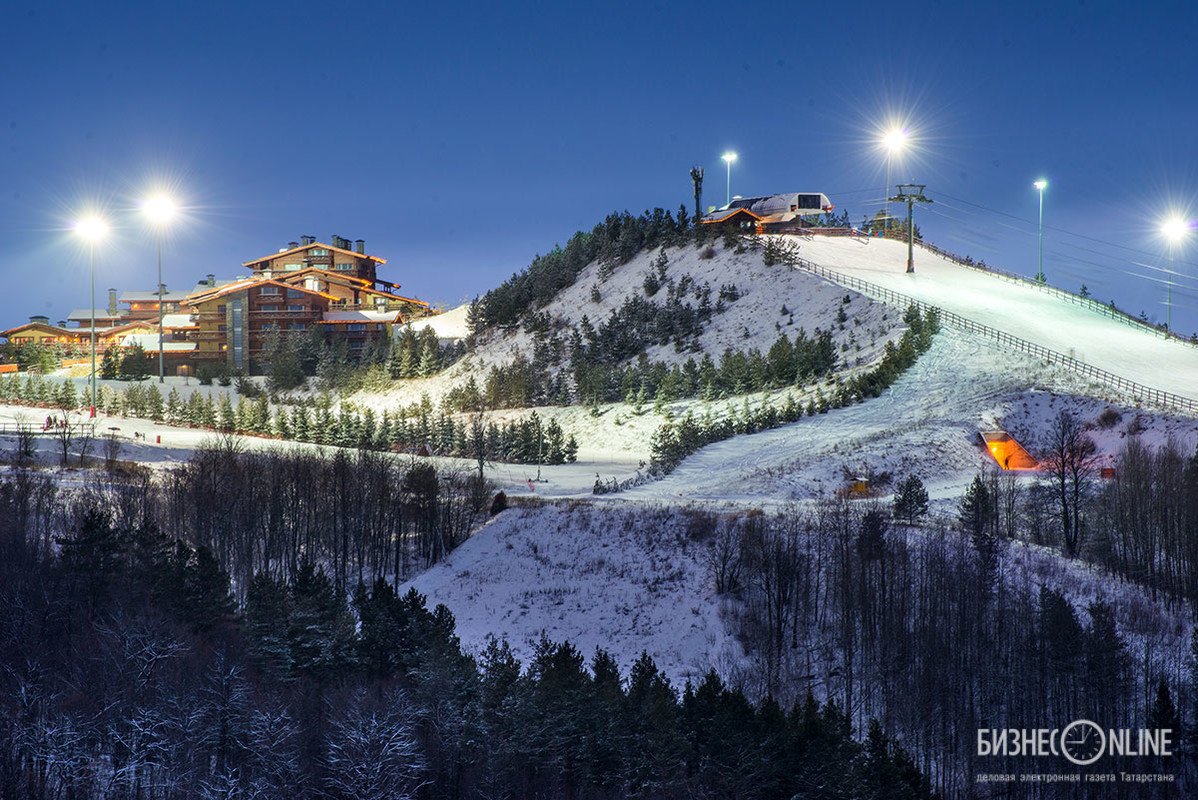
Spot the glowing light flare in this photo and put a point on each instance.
(729, 157)
(1041, 184)
(1175, 229)
(895, 139)
(92, 228)
(159, 209)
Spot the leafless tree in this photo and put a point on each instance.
(1069, 456)
(373, 750)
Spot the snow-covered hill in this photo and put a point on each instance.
(1019, 309)
(755, 320)
(625, 580)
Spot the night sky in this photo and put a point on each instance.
(461, 140)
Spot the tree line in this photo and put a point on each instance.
(133, 669)
(937, 633)
(675, 440)
(417, 428)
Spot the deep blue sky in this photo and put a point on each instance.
(460, 140)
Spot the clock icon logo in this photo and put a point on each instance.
(1083, 742)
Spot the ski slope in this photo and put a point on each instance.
(1018, 309)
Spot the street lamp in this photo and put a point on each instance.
(893, 141)
(1041, 185)
(1175, 229)
(159, 210)
(92, 229)
(729, 157)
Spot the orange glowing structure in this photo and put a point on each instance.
(1007, 452)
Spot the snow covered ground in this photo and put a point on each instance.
(755, 320)
(926, 424)
(622, 579)
(449, 325)
(1018, 309)
(629, 579)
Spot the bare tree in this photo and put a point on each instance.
(373, 751)
(1069, 455)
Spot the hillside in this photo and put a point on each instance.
(754, 320)
(1020, 309)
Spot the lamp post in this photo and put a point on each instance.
(1174, 230)
(729, 157)
(893, 141)
(160, 210)
(1041, 185)
(92, 229)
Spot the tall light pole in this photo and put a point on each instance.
(1174, 230)
(1041, 185)
(92, 229)
(729, 157)
(893, 141)
(160, 210)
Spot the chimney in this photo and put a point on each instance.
(40, 318)
(293, 245)
(211, 279)
(360, 246)
(112, 302)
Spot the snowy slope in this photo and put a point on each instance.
(449, 325)
(810, 302)
(926, 424)
(629, 579)
(620, 579)
(1018, 309)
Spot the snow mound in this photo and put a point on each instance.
(625, 580)
(449, 325)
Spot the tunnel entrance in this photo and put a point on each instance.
(1006, 451)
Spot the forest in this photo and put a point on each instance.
(194, 639)
(236, 627)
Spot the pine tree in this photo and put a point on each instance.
(66, 398)
(154, 404)
(174, 407)
(321, 629)
(267, 621)
(135, 365)
(430, 357)
(110, 364)
(281, 426)
(226, 418)
(910, 499)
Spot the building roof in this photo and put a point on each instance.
(725, 214)
(45, 326)
(177, 321)
(362, 284)
(149, 343)
(145, 297)
(101, 313)
(303, 247)
(249, 283)
(337, 317)
(127, 326)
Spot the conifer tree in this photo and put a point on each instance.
(910, 499)
(430, 357)
(174, 407)
(226, 418)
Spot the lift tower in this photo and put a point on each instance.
(910, 193)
